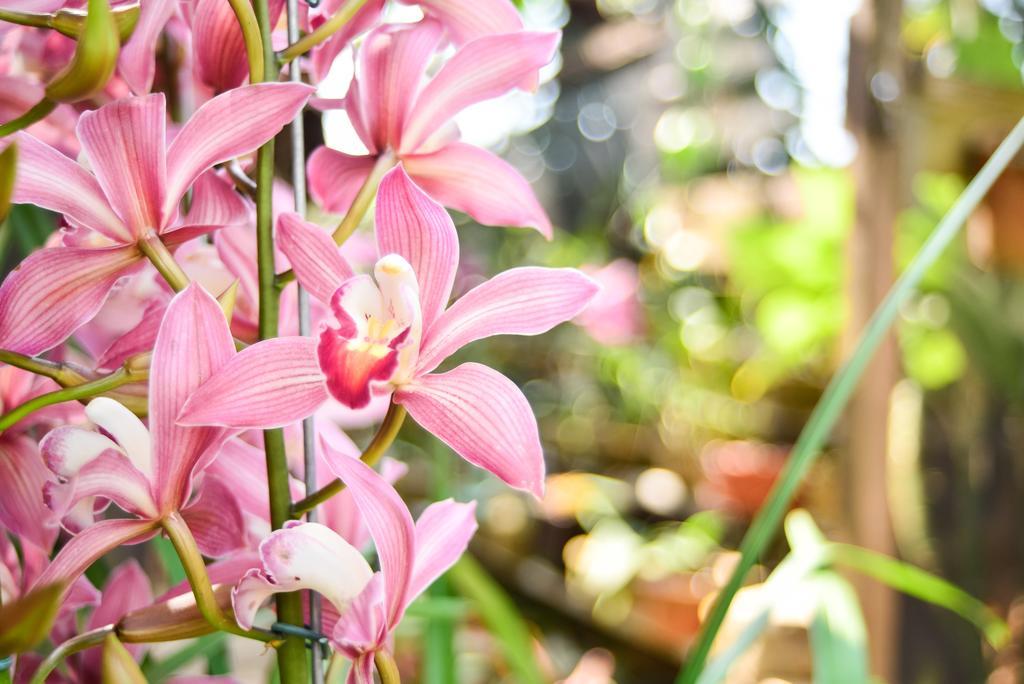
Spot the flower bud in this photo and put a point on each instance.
(176, 618)
(94, 60)
(27, 620)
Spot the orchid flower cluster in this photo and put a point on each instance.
(163, 369)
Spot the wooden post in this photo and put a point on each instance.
(874, 94)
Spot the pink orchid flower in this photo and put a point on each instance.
(394, 333)
(148, 473)
(132, 194)
(369, 605)
(392, 112)
(615, 317)
(22, 471)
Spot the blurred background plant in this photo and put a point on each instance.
(739, 176)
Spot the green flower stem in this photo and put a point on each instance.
(251, 35)
(357, 211)
(75, 644)
(386, 434)
(291, 656)
(162, 259)
(37, 113)
(838, 393)
(61, 373)
(322, 33)
(87, 390)
(386, 668)
(195, 570)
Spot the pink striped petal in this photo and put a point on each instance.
(125, 141)
(55, 291)
(390, 65)
(313, 255)
(217, 45)
(520, 301)
(479, 183)
(484, 417)
(340, 512)
(137, 61)
(335, 177)
(215, 203)
(466, 20)
(443, 532)
(270, 384)
(215, 519)
(86, 547)
(417, 228)
(22, 478)
(227, 126)
(192, 344)
(390, 525)
(92, 465)
(323, 56)
(50, 180)
(482, 69)
(302, 556)
(139, 339)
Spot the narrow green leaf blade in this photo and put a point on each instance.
(838, 635)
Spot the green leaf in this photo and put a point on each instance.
(439, 643)
(26, 621)
(838, 635)
(501, 617)
(925, 586)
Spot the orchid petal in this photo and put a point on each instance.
(302, 556)
(335, 177)
(55, 291)
(137, 63)
(520, 301)
(126, 428)
(270, 384)
(482, 69)
(390, 64)
(22, 478)
(93, 466)
(313, 255)
(484, 417)
(125, 142)
(215, 203)
(138, 340)
(227, 126)
(479, 183)
(340, 512)
(78, 196)
(126, 589)
(390, 525)
(218, 45)
(192, 344)
(443, 532)
(323, 56)
(418, 229)
(466, 20)
(88, 546)
(363, 628)
(215, 519)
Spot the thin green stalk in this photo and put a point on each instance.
(198, 579)
(291, 656)
(386, 434)
(162, 259)
(360, 205)
(61, 373)
(322, 33)
(386, 668)
(838, 393)
(75, 644)
(251, 35)
(121, 376)
(37, 113)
